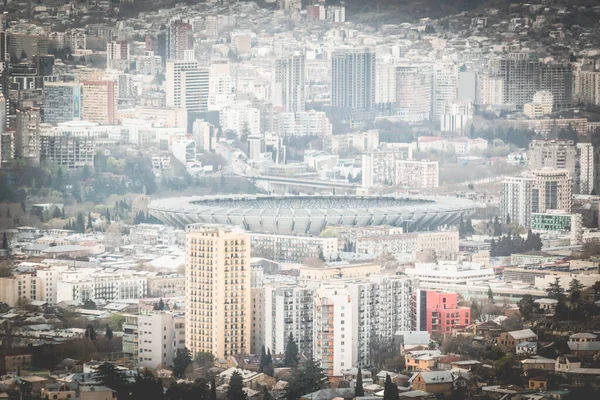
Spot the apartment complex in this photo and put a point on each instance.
(217, 290)
(551, 191)
(62, 102)
(559, 222)
(187, 84)
(438, 313)
(355, 142)
(290, 248)
(381, 167)
(287, 86)
(450, 272)
(20, 287)
(180, 39)
(69, 145)
(27, 135)
(554, 154)
(546, 189)
(414, 88)
(516, 199)
(353, 78)
(109, 286)
(351, 313)
(414, 174)
(100, 102)
(289, 309)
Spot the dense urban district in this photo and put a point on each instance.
(299, 200)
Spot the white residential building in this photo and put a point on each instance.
(445, 88)
(516, 199)
(103, 285)
(414, 174)
(335, 327)
(385, 82)
(184, 150)
(290, 248)
(289, 308)
(241, 118)
(187, 85)
(287, 83)
(450, 272)
(587, 167)
(159, 337)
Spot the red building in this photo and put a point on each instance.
(438, 313)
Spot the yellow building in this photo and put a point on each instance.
(22, 286)
(217, 290)
(100, 100)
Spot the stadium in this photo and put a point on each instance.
(309, 215)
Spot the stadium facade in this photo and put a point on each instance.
(309, 215)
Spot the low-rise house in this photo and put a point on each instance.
(526, 348)
(538, 382)
(445, 362)
(583, 344)
(547, 306)
(421, 360)
(509, 340)
(488, 329)
(58, 391)
(432, 382)
(585, 376)
(566, 363)
(11, 363)
(330, 394)
(417, 395)
(96, 393)
(465, 365)
(538, 363)
(251, 379)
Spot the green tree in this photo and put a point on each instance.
(307, 379)
(555, 291)
(469, 227)
(147, 386)
(462, 229)
(321, 255)
(80, 224)
(575, 285)
(263, 359)
(159, 306)
(213, 390)
(236, 387)
(90, 332)
(109, 333)
(89, 221)
(508, 370)
(269, 370)
(4, 241)
(359, 390)
(390, 392)
(204, 359)
(110, 376)
(291, 352)
(89, 304)
(490, 294)
(528, 308)
(181, 361)
(497, 227)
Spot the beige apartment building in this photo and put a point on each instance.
(218, 297)
(100, 101)
(22, 286)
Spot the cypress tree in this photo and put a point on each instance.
(358, 390)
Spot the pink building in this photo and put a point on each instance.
(438, 313)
